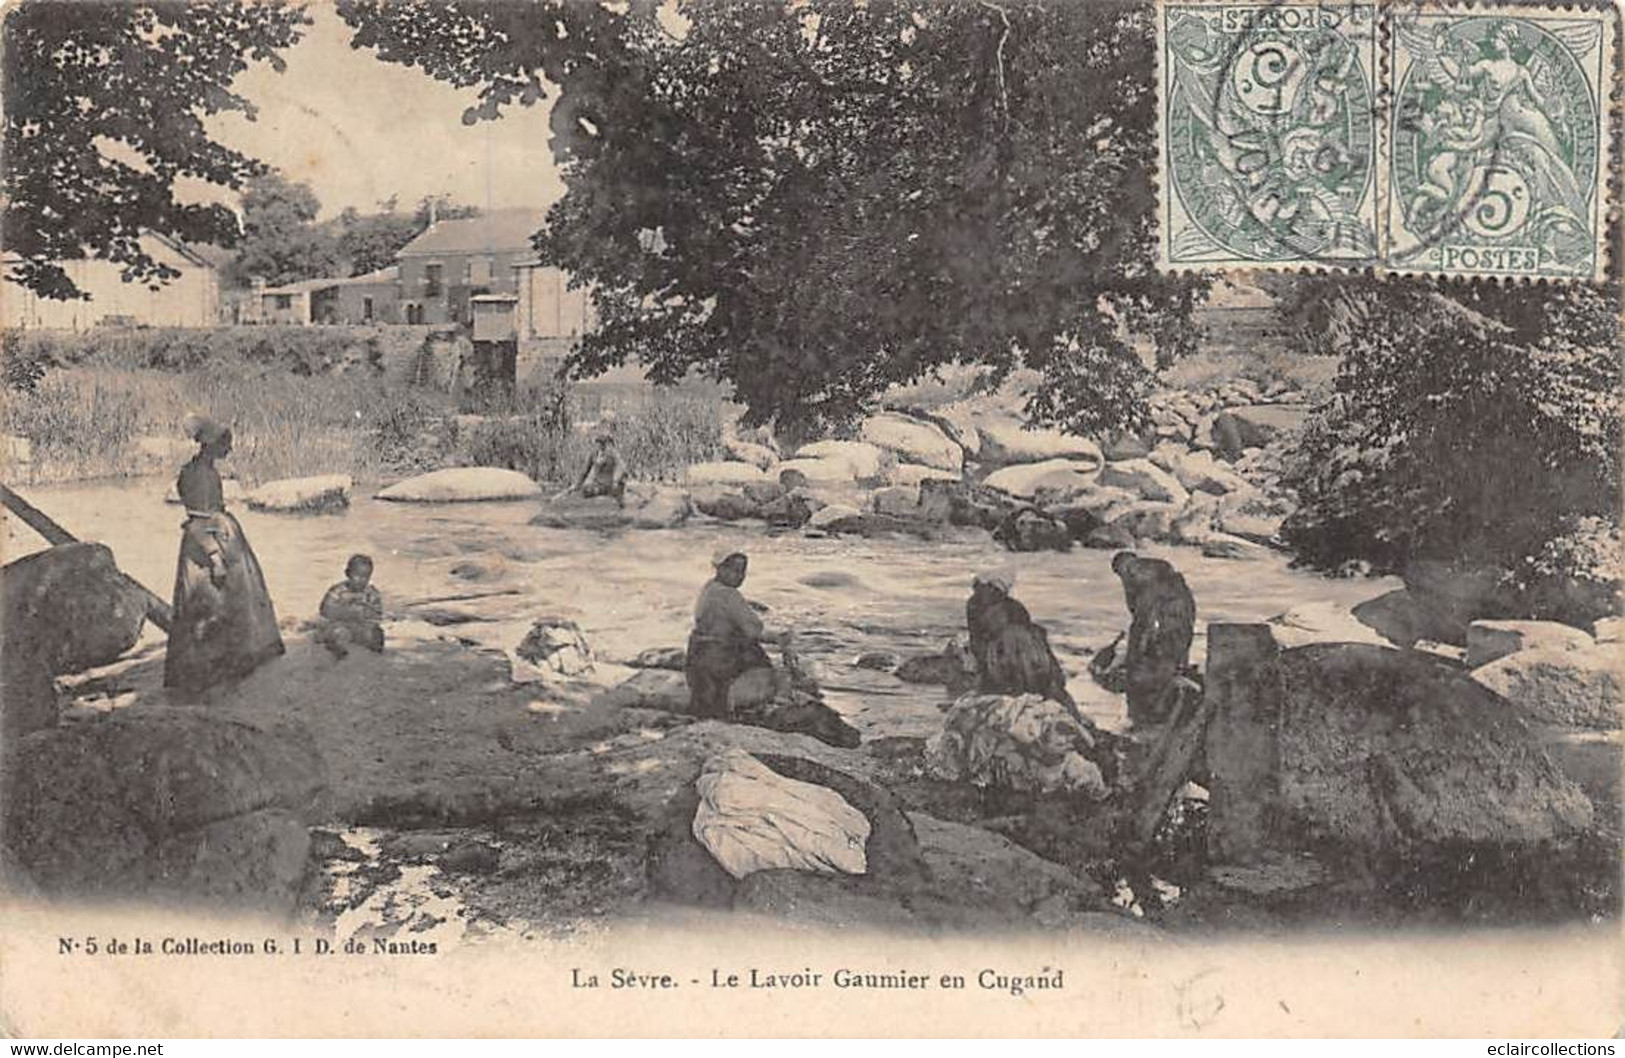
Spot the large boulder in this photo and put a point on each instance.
(1577, 687)
(727, 473)
(913, 441)
(965, 503)
(1054, 475)
(65, 610)
(1033, 530)
(801, 473)
(865, 462)
(1488, 641)
(70, 608)
(1146, 520)
(837, 518)
(1224, 545)
(166, 804)
(1198, 471)
(1194, 522)
(901, 501)
(1404, 617)
(910, 474)
(759, 456)
(662, 507)
(1145, 479)
(463, 485)
(1369, 750)
(1027, 744)
(1321, 622)
(1236, 429)
(957, 422)
(725, 503)
(1005, 442)
(313, 495)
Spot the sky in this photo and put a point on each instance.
(358, 130)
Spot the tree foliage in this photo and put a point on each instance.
(104, 108)
(1475, 422)
(282, 241)
(813, 200)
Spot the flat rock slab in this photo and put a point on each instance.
(463, 485)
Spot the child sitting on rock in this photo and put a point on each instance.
(351, 611)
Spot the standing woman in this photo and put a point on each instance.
(224, 625)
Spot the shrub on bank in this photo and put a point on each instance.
(296, 350)
(1482, 429)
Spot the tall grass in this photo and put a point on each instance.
(658, 432)
(88, 422)
(74, 425)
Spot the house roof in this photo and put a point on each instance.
(383, 275)
(500, 231)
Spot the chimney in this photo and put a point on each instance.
(434, 211)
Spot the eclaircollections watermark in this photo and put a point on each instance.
(1427, 139)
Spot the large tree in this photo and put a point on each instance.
(813, 200)
(104, 110)
(281, 241)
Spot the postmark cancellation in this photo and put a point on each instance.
(1406, 139)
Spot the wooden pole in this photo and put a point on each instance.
(37, 520)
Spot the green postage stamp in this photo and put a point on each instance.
(1405, 139)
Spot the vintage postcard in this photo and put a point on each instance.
(820, 519)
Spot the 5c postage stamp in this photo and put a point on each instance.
(1268, 127)
(1408, 139)
(1499, 142)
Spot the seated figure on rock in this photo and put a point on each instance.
(352, 611)
(727, 638)
(606, 470)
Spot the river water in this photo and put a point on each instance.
(635, 589)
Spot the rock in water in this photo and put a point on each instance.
(1489, 641)
(670, 658)
(759, 456)
(910, 474)
(877, 661)
(864, 461)
(1033, 531)
(314, 495)
(1145, 479)
(740, 473)
(463, 485)
(552, 647)
(1026, 743)
(726, 504)
(1558, 685)
(950, 668)
(753, 819)
(1059, 476)
(173, 805)
(913, 441)
(1321, 622)
(800, 473)
(1005, 442)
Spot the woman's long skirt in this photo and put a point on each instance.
(711, 667)
(219, 632)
